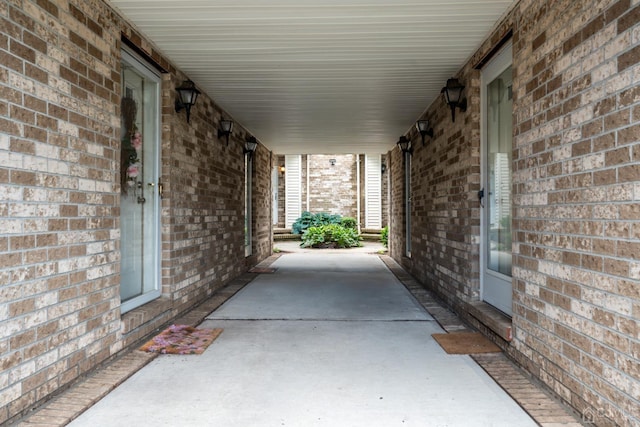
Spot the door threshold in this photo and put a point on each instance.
(494, 319)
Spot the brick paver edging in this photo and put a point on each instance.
(63, 409)
(546, 410)
(71, 403)
(66, 407)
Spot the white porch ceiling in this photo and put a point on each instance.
(310, 76)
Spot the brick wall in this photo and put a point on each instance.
(575, 183)
(333, 189)
(60, 197)
(262, 242)
(576, 174)
(281, 192)
(385, 192)
(59, 191)
(305, 189)
(206, 210)
(397, 211)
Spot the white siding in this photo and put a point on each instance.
(373, 191)
(274, 194)
(293, 188)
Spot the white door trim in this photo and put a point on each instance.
(489, 278)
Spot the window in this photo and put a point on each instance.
(248, 166)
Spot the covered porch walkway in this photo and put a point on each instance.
(331, 338)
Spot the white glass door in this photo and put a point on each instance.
(407, 200)
(497, 160)
(248, 223)
(274, 192)
(140, 186)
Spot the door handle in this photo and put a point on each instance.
(160, 188)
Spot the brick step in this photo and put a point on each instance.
(371, 231)
(370, 237)
(286, 236)
(281, 231)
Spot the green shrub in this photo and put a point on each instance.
(313, 220)
(313, 237)
(384, 236)
(302, 223)
(349, 222)
(330, 235)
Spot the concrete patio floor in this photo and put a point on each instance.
(331, 338)
(327, 340)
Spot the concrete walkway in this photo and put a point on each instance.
(330, 339)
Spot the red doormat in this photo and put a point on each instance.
(181, 339)
(465, 343)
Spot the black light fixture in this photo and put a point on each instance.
(250, 146)
(187, 96)
(405, 144)
(226, 126)
(453, 96)
(424, 129)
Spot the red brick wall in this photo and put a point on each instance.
(60, 197)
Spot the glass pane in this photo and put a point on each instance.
(407, 172)
(247, 205)
(138, 204)
(499, 153)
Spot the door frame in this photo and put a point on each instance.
(248, 204)
(149, 72)
(500, 62)
(407, 204)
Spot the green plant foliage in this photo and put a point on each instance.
(313, 220)
(324, 218)
(313, 237)
(330, 235)
(349, 222)
(384, 236)
(301, 224)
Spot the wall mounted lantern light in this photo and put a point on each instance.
(226, 127)
(405, 145)
(424, 129)
(453, 96)
(282, 169)
(250, 146)
(187, 96)
(332, 162)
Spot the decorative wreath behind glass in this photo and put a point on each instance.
(131, 147)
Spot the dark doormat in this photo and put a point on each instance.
(262, 270)
(465, 343)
